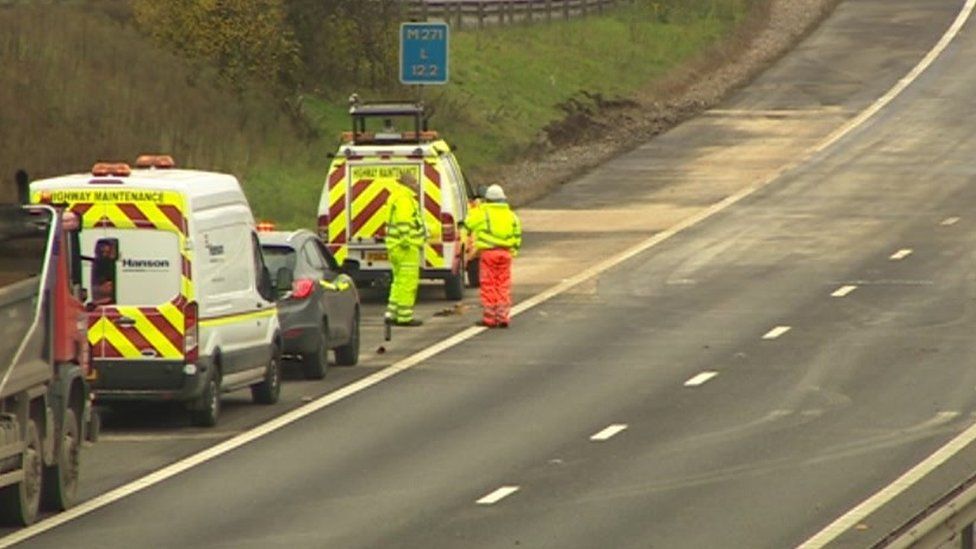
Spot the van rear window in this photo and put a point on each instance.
(131, 266)
(276, 257)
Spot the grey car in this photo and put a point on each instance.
(318, 308)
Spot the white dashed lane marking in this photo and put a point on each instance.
(498, 495)
(700, 379)
(609, 432)
(843, 291)
(949, 221)
(901, 254)
(776, 332)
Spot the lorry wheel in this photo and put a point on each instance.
(454, 286)
(348, 354)
(314, 365)
(474, 273)
(267, 391)
(61, 480)
(20, 502)
(206, 409)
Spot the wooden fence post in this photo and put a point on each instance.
(548, 11)
(583, 6)
(460, 15)
(423, 10)
(481, 15)
(565, 9)
(530, 6)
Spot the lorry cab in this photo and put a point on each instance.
(180, 305)
(388, 139)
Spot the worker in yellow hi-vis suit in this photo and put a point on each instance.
(405, 238)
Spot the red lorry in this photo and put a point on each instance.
(45, 403)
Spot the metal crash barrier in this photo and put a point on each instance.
(947, 523)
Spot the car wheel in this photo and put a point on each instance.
(21, 502)
(315, 364)
(206, 409)
(454, 286)
(473, 269)
(348, 354)
(268, 391)
(61, 480)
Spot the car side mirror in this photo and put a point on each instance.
(284, 279)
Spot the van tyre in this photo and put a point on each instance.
(473, 269)
(348, 354)
(268, 391)
(21, 502)
(207, 407)
(315, 364)
(454, 286)
(61, 480)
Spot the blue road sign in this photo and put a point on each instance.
(423, 53)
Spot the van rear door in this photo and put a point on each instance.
(136, 277)
(370, 184)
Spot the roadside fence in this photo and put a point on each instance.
(479, 13)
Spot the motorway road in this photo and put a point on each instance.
(774, 364)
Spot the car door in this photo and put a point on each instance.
(337, 298)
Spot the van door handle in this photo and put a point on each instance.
(125, 322)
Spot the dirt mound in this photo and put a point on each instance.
(596, 128)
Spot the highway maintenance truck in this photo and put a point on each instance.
(45, 407)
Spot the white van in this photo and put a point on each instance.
(181, 304)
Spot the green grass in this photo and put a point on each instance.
(507, 82)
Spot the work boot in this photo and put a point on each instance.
(410, 323)
(483, 324)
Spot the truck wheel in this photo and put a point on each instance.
(20, 502)
(474, 273)
(314, 365)
(206, 409)
(348, 354)
(267, 391)
(454, 286)
(61, 480)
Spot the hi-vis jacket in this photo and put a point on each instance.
(495, 225)
(404, 227)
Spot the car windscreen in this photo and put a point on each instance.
(131, 266)
(278, 257)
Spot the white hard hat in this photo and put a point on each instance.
(495, 193)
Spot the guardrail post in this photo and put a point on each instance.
(481, 15)
(583, 6)
(565, 9)
(966, 538)
(548, 11)
(460, 15)
(529, 8)
(423, 10)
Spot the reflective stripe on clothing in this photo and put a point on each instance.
(404, 226)
(495, 225)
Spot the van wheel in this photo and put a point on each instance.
(348, 354)
(315, 364)
(454, 286)
(268, 391)
(20, 502)
(206, 409)
(473, 268)
(61, 480)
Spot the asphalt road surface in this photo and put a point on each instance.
(740, 384)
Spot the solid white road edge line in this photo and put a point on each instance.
(843, 291)
(776, 332)
(411, 361)
(901, 254)
(609, 432)
(498, 495)
(700, 379)
(868, 506)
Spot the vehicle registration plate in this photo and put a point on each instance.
(376, 256)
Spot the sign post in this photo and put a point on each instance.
(424, 53)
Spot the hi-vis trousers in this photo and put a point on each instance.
(496, 286)
(405, 262)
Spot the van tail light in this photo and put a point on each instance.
(191, 333)
(302, 288)
(448, 230)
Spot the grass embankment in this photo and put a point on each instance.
(81, 84)
(507, 82)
